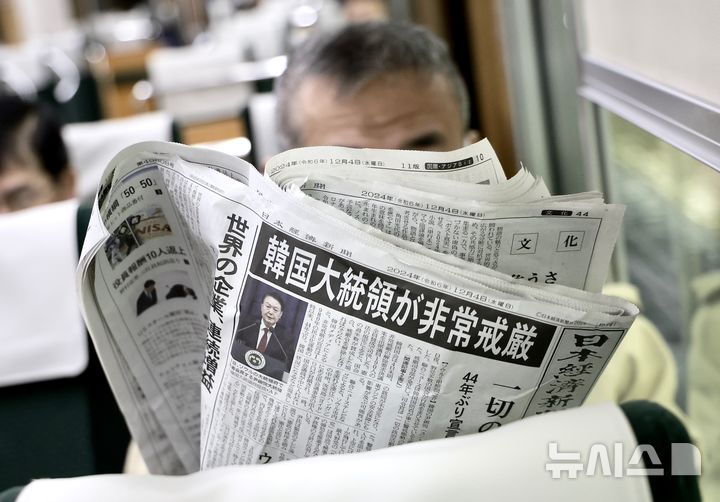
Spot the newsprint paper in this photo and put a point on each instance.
(348, 300)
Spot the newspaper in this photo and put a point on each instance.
(241, 322)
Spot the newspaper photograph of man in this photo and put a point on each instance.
(148, 297)
(268, 330)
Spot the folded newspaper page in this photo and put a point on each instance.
(241, 322)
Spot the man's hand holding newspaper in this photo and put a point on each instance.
(349, 301)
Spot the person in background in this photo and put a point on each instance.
(373, 85)
(34, 167)
(58, 422)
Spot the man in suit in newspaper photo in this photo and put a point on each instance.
(260, 343)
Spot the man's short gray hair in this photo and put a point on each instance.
(358, 54)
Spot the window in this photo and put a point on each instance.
(672, 224)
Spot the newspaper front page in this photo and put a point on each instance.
(240, 323)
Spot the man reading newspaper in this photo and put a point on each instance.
(391, 341)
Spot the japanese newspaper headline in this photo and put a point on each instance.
(348, 300)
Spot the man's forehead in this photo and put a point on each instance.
(395, 110)
(338, 91)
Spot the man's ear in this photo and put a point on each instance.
(471, 136)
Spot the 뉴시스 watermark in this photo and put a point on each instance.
(609, 460)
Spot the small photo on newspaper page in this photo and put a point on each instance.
(150, 222)
(162, 287)
(268, 328)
